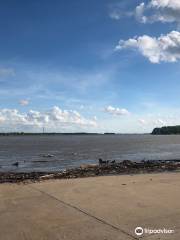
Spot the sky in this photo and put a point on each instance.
(89, 66)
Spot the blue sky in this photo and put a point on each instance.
(89, 65)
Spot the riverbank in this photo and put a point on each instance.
(105, 207)
(101, 169)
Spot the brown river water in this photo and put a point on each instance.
(69, 151)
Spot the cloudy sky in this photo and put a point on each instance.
(88, 65)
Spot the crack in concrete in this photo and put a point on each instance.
(86, 213)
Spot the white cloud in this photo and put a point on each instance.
(2, 119)
(118, 14)
(24, 102)
(116, 111)
(142, 121)
(158, 11)
(149, 12)
(152, 122)
(139, 11)
(118, 10)
(160, 122)
(165, 48)
(7, 72)
(55, 119)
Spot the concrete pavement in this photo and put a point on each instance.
(91, 208)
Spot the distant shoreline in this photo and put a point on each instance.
(48, 133)
(167, 130)
(55, 133)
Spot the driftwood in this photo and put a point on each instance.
(103, 168)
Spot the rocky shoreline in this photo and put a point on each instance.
(101, 169)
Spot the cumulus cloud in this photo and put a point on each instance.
(116, 111)
(150, 11)
(24, 102)
(154, 122)
(55, 119)
(165, 48)
(158, 11)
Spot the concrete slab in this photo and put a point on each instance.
(91, 208)
(39, 216)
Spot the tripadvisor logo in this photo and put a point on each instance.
(139, 231)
